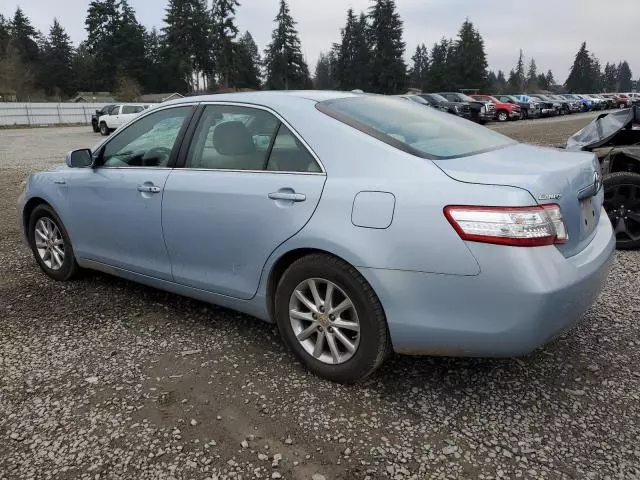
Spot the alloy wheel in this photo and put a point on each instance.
(324, 320)
(622, 204)
(49, 243)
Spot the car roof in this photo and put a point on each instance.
(272, 98)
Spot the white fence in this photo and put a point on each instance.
(35, 114)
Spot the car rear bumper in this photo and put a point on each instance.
(522, 298)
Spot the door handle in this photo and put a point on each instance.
(148, 189)
(292, 197)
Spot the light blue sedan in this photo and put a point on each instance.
(360, 224)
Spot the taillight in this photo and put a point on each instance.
(516, 226)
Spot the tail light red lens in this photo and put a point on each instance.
(516, 226)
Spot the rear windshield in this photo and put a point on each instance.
(410, 127)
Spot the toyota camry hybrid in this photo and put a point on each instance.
(359, 224)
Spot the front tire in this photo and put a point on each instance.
(503, 116)
(622, 204)
(50, 244)
(331, 319)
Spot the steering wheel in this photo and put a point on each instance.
(156, 157)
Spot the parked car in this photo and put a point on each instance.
(560, 107)
(609, 103)
(481, 111)
(100, 112)
(504, 110)
(462, 109)
(388, 214)
(118, 116)
(546, 108)
(634, 97)
(575, 106)
(620, 101)
(527, 109)
(587, 105)
(598, 103)
(615, 140)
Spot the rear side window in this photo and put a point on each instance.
(131, 109)
(410, 127)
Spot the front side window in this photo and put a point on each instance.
(148, 142)
(232, 137)
(413, 128)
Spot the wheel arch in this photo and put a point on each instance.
(28, 209)
(623, 163)
(283, 262)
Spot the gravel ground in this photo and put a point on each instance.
(102, 378)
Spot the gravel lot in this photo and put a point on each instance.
(102, 378)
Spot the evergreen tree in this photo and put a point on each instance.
(438, 72)
(284, 64)
(352, 54)
(186, 47)
(102, 24)
(532, 77)
(625, 82)
(517, 80)
(323, 78)
(246, 72)
(540, 83)
(497, 82)
(56, 64)
(610, 78)
(467, 59)
(223, 33)
(83, 66)
(596, 74)
(5, 33)
(24, 38)
(550, 81)
(419, 73)
(583, 77)
(388, 70)
(131, 39)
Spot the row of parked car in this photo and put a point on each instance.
(502, 108)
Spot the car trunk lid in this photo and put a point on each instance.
(549, 175)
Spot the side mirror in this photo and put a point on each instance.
(80, 158)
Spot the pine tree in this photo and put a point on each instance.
(583, 77)
(467, 59)
(532, 77)
(130, 45)
(388, 70)
(517, 79)
(438, 71)
(24, 38)
(246, 72)
(596, 75)
(419, 74)
(5, 33)
(186, 41)
(324, 77)
(540, 83)
(284, 64)
(625, 82)
(549, 79)
(352, 54)
(223, 33)
(57, 62)
(610, 78)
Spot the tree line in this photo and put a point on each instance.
(200, 49)
(370, 56)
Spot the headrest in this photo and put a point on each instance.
(233, 138)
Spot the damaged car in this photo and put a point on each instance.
(615, 139)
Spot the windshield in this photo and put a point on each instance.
(466, 98)
(436, 98)
(423, 132)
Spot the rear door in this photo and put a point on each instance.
(248, 184)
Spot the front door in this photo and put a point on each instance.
(249, 184)
(118, 204)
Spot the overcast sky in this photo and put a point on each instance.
(548, 30)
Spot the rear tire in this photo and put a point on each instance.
(371, 344)
(104, 130)
(622, 204)
(50, 244)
